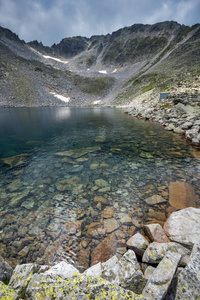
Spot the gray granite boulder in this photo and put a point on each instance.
(21, 276)
(7, 293)
(156, 251)
(188, 286)
(161, 278)
(62, 269)
(183, 226)
(78, 287)
(138, 243)
(126, 273)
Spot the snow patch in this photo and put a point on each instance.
(62, 98)
(103, 72)
(56, 59)
(96, 102)
(115, 70)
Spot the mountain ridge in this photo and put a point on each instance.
(112, 69)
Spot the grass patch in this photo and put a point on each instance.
(97, 86)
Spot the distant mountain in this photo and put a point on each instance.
(129, 66)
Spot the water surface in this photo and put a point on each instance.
(56, 204)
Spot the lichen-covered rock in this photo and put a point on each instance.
(148, 272)
(156, 233)
(138, 243)
(62, 269)
(5, 269)
(21, 276)
(156, 251)
(126, 273)
(46, 287)
(7, 293)
(188, 286)
(183, 226)
(161, 278)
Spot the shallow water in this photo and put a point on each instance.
(56, 205)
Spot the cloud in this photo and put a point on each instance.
(51, 20)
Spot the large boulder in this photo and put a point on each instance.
(156, 252)
(7, 293)
(188, 286)
(126, 273)
(183, 226)
(21, 276)
(78, 287)
(182, 195)
(161, 278)
(62, 269)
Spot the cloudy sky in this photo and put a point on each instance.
(49, 21)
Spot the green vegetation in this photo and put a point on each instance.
(142, 84)
(97, 86)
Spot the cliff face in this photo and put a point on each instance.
(119, 68)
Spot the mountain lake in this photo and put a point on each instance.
(70, 177)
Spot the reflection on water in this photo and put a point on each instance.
(70, 177)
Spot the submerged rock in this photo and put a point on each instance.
(15, 161)
(181, 195)
(76, 153)
(155, 199)
(104, 250)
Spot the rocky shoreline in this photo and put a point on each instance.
(176, 113)
(163, 264)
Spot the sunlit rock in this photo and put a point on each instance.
(183, 226)
(126, 273)
(188, 286)
(7, 292)
(62, 269)
(161, 278)
(138, 243)
(21, 276)
(156, 251)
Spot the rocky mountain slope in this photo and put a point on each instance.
(129, 67)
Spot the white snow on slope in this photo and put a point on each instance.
(56, 59)
(103, 72)
(62, 98)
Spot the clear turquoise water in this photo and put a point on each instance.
(44, 200)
